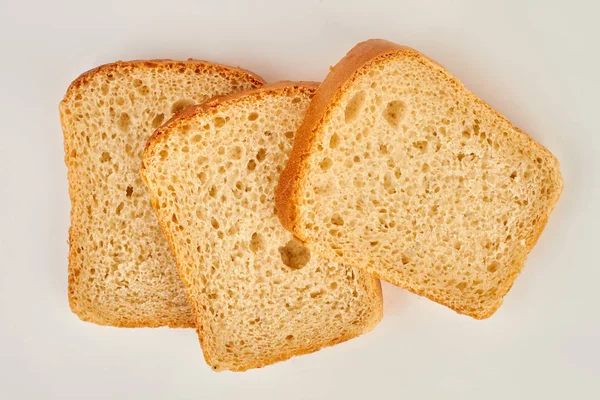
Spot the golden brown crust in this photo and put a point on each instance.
(342, 75)
(199, 67)
(213, 106)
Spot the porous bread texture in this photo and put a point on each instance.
(258, 295)
(400, 170)
(121, 272)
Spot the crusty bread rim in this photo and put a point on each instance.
(199, 66)
(211, 107)
(341, 76)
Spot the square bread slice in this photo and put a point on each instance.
(121, 272)
(400, 170)
(259, 296)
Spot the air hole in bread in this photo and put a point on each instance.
(218, 122)
(294, 255)
(105, 157)
(421, 145)
(124, 122)
(119, 208)
(180, 105)
(143, 90)
(388, 184)
(196, 139)
(256, 242)
(394, 113)
(326, 163)
(253, 116)
(158, 120)
(337, 219)
(251, 165)
(493, 267)
(129, 191)
(236, 152)
(354, 106)
(262, 153)
(334, 141)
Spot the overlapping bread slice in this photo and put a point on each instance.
(259, 296)
(400, 170)
(121, 272)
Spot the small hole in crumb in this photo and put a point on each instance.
(260, 156)
(337, 219)
(294, 255)
(180, 105)
(326, 163)
(354, 106)
(394, 113)
(493, 267)
(158, 120)
(218, 122)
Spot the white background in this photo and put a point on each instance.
(535, 62)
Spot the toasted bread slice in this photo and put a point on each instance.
(398, 169)
(258, 295)
(121, 272)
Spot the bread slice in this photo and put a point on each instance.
(402, 171)
(121, 272)
(259, 296)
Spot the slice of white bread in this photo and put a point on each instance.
(402, 171)
(121, 272)
(259, 296)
